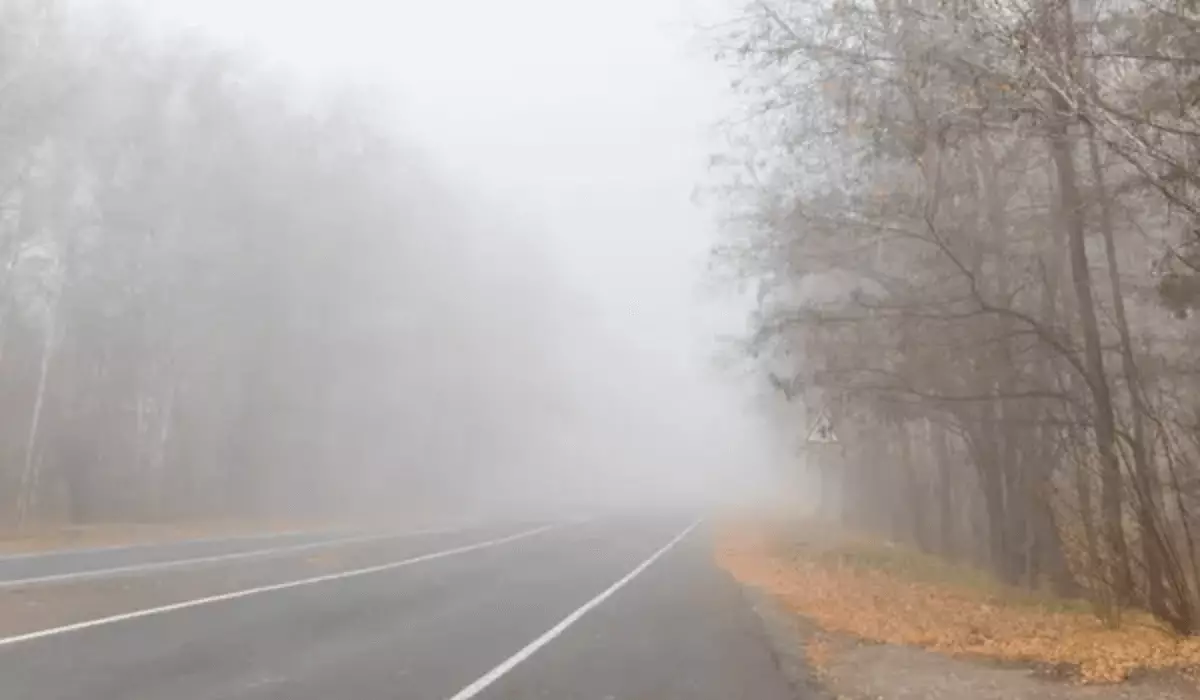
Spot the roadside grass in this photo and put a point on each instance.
(881, 592)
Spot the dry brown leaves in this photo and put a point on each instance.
(820, 652)
(883, 607)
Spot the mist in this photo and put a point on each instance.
(539, 348)
(299, 269)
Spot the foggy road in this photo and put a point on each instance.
(628, 608)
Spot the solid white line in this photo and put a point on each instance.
(197, 561)
(548, 636)
(73, 551)
(53, 631)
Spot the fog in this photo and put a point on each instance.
(360, 258)
(267, 259)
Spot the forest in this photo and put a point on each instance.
(221, 299)
(974, 231)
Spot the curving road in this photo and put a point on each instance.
(609, 609)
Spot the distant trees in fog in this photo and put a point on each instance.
(212, 301)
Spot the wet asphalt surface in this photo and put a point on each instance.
(430, 629)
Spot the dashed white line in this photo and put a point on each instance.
(54, 631)
(548, 636)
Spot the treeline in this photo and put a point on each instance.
(215, 301)
(976, 227)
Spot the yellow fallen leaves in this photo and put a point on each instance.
(882, 606)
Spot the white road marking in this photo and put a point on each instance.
(198, 561)
(54, 631)
(71, 551)
(548, 636)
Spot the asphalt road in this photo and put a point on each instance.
(625, 609)
(79, 563)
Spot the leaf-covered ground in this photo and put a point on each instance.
(882, 593)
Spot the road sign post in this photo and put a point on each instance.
(822, 431)
(823, 441)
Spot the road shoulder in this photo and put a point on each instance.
(788, 637)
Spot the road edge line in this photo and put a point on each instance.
(245, 593)
(11, 555)
(136, 569)
(549, 635)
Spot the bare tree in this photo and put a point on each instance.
(909, 188)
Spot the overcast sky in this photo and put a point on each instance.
(587, 122)
(590, 121)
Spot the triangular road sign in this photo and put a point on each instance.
(822, 429)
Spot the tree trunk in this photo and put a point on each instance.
(1147, 486)
(165, 420)
(991, 481)
(29, 476)
(1071, 204)
(947, 543)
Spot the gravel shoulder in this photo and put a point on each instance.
(829, 666)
